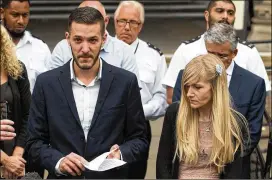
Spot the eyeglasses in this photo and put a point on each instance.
(132, 23)
(224, 57)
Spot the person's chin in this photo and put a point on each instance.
(125, 38)
(194, 106)
(85, 67)
(19, 30)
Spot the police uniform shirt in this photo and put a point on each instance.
(152, 68)
(247, 57)
(114, 52)
(35, 54)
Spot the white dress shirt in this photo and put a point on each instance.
(247, 58)
(152, 68)
(229, 71)
(35, 54)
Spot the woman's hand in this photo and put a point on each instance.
(8, 175)
(6, 130)
(14, 165)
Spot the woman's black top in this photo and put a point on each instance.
(6, 100)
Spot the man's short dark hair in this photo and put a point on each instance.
(87, 15)
(6, 3)
(213, 2)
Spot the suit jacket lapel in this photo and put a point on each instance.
(106, 80)
(16, 101)
(65, 81)
(235, 81)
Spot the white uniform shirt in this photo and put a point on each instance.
(114, 52)
(152, 68)
(247, 57)
(35, 54)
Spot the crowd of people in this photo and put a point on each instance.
(98, 93)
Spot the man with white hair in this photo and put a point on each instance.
(129, 20)
(114, 51)
(221, 11)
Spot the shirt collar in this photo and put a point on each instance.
(27, 38)
(106, 45)
(229, 70)
(134, 44)
(73, 76)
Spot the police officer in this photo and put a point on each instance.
(247, 57)
(114, 51)
(128, 20)
(33, 52)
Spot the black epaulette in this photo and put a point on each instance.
(37, 38)
(192, 40)
(154, 47)
(246, 43)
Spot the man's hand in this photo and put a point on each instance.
(72, 164)
(6, 130)
(15, 166)
(115, 152)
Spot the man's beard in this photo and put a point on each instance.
(76, 59)
(13, 34)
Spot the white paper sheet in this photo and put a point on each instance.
(101, 163)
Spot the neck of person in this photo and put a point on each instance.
(4, 76)
(86, 76)
(205, 112)
(16, 40)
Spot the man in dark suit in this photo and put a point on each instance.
(246, 89)
(85, 108)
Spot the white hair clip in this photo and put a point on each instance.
(219, 69)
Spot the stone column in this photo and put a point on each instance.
(261, 26)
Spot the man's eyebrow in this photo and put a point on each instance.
(230, 10)
(16, 12)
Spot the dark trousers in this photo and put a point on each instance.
(137, 170)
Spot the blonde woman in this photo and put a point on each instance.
(202, 137)
(15, 103)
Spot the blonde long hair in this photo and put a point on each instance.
(8, 59)
(225, 126)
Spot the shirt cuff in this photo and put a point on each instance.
(57, 171)
(121, 157)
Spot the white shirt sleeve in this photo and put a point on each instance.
(61, 54)
(255, 65)
(58, 173)
(157, 105)
(177, 63)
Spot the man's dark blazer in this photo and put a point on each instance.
(55, 129)
(248, 94)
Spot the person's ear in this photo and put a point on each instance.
(206, 15)
(104, 37)
(107, 20)
(2, 13)
(67, 36)
(234, 53)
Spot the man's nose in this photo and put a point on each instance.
(225, 15)
(85, 47)
(127, 26)
(20, 20)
